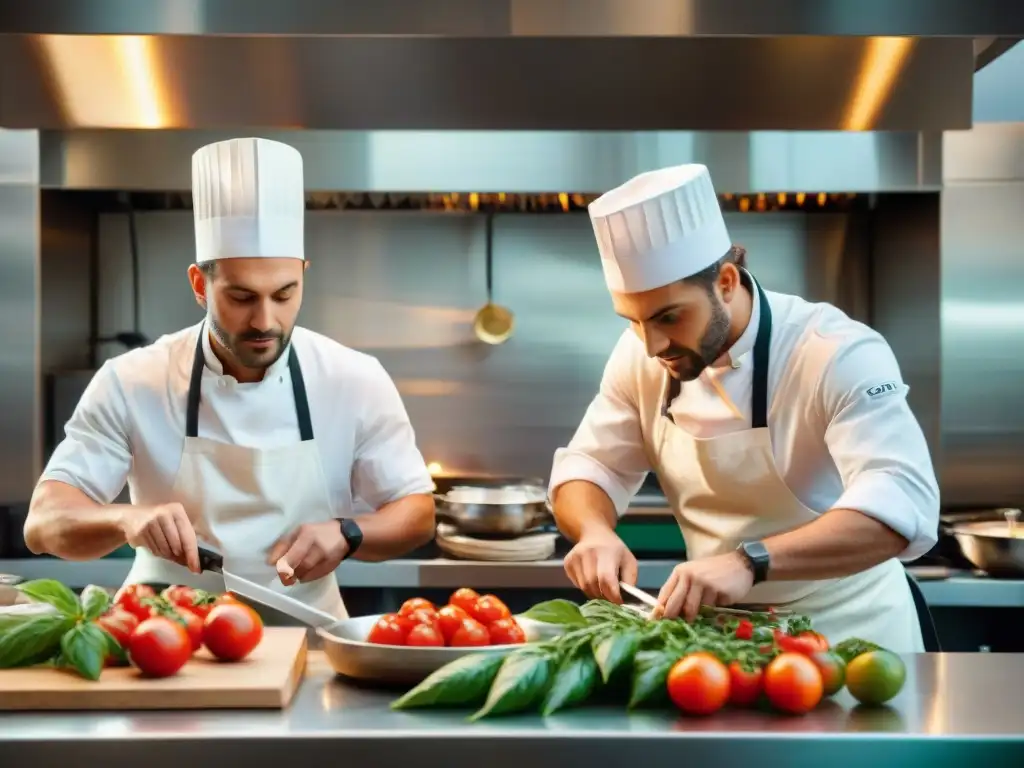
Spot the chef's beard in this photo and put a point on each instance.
(688, 364)
(247, 357)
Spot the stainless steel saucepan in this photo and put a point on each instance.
(507, 510)
(993, 546)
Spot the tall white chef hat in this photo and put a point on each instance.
(249, 200)
(659, 227)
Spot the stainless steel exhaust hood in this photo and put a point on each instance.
(710, 65)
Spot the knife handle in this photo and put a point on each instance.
(210, 561)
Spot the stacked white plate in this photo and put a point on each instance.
(529, 547)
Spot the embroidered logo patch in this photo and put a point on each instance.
(885, 388)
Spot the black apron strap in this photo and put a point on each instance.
(195, 387)
(762, 355)
(929, 634)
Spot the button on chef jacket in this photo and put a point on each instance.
(842, 433)
(130, 423)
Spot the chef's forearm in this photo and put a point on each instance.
(397, 528)
(839, 543)
(64, 522)
(580, 507)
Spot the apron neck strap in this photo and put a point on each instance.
(195, 387)
(762, 351)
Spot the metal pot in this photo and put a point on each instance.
(509, 510)
(988, 546)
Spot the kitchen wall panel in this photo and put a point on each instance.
(405, 286)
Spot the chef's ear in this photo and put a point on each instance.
(199, 276)
(728, 280)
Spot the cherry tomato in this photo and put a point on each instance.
(390, 629)
(506, 632)
(489, 609)
(159, 647)
(465, 599)
(193, 626)
(793, 683)
(450, 619)
(698, 684)
(471, 633)
(179, 595)
(744, 684)
(131, 597)
(744, 630)
(119, 624)
(807, 643)
(422, 616)
(425, 635)
(414, 604)
(231, 632)
(833, 671)
(203, 602)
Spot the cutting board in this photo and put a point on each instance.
(267, 679)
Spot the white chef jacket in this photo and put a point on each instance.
(842, 433)
(130, 423)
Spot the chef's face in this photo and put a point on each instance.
(251, 305)
(685, 325)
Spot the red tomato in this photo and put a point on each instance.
(414, 604)
(131, 597)
(159, 647)
(489, 609)
(450, 619)
(506, 632)
(698, 684)
(179, 595)
(807, 643)
(793, 683)
(744, 630)
(193, 626)
(422, 616)
(465, 599)
(390, 629)
(231, 632)
(119, 624)
(744, 685)
(833, 672)
(425, 635)
(471, 633)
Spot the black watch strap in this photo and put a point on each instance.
(756, 554)
(352, 534)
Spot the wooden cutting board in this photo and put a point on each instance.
(267, 679)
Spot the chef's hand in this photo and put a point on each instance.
(309, 552)
(164, 530)
(720, 580)
(597, 564)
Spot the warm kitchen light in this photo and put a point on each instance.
(884, 57)
(435, 468)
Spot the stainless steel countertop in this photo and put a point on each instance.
(963, 590)
(953, 707)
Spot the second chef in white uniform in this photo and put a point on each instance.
(244, 432)
(778, 428)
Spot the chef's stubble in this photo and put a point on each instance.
(245, 357)
(712, 344)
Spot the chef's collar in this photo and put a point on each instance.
(213, 362)
(745, 343)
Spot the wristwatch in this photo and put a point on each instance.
(353, 535)
(756, 555)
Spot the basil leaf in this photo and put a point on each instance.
(33, 641)
(85, 649)
(463, 682)
(522, 681)
(53, 592)
(115, 651)
(574, 681)
(560, 612)
(650, 672)
(95, 602)
(615, 651)
(853, 647)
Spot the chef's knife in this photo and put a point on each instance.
(307, 614)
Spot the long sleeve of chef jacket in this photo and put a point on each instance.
(840, 408)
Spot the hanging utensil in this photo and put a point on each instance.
(493, 323)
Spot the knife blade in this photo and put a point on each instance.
(296, 609)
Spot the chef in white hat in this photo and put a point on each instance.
(245, 432)
(778, 429)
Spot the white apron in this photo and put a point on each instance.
(241, 500)
(726, 490)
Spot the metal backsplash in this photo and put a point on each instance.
(983, 316)
(513, 161)
(405, 286)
